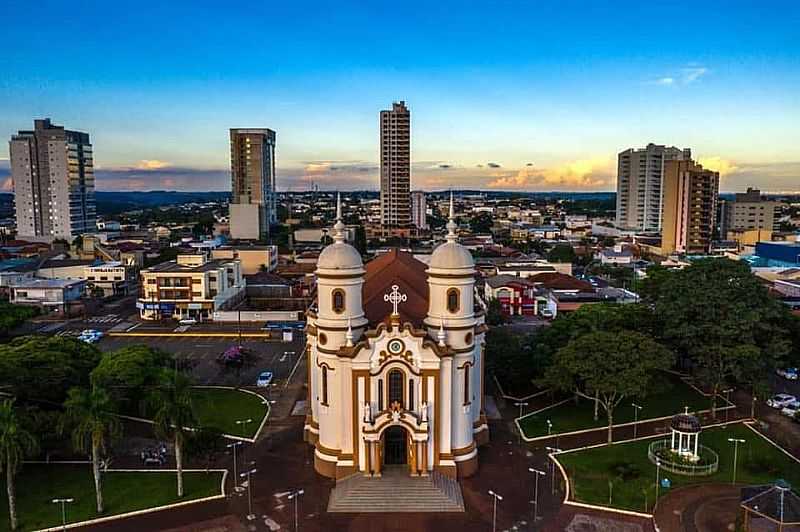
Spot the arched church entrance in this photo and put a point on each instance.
(395, 446)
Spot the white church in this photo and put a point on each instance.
(395, 365)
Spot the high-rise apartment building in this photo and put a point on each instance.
(748, 211)
(396, 167)
(419, 210)
(690, 207)
(640, 176)
(53, 176)
(253, 206)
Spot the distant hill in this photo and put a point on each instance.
(110, 203)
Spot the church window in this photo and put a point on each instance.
(323, 339)
(468, 338)
(338, 300)
(411, 394)
(380, 395)
(466, 385)
(324, 385)
(395, 387)
(453, 297)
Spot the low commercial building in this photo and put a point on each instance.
(254, 259)
(191, 286)
(518, 297)
(48, 294)
(111, 278)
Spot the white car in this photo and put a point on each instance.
(188, 321)
(780, 400)
(787, 373)
(791, 409)
(264, 379)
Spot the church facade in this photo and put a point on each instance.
(395, 362)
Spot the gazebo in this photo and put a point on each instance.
(685, 430)
(774, 502)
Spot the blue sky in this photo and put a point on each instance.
(547, 92)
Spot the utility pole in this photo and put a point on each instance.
(636, 409)
(535, 501)
(735, 442)
(497, 497)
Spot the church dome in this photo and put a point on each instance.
(451, 256)
(339, 256)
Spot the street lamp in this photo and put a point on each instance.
(296, 496)
(735, 442)
(727, 393)
(658, 478)
(244, 423)
(519, 426)
(494, 509)
(553, 450)
(549, 427)
(636, 409)
(63, 503)
(537, 474)
(250, 515)
(233, 446)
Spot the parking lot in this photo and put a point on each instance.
(199, 356)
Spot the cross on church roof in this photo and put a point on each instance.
(395, 298)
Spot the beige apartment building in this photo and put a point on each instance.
(748, 211)
(640, 177)
(253, 259)
(253, 204)
(395, 168)
(690, 207)
(191, 286)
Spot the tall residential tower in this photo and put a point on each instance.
(53, 176)
(690, 208)
(640, 176)
(253, 205)
(395, 168)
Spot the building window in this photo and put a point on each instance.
(323, 339)
(411, 394)
(453, 300)
(396, 387)
(338, 300)
(380, 395)
(467, 398)
(325, 385)
(468, 338)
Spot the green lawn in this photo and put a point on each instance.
(670, 399)
(590, 470)
(38, 485)
(220, 408)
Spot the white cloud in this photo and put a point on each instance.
(665, 81)
(692, 74)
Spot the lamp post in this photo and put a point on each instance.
(250, 515)
(496, 497)
(552, 466)
(233, 446)
(243, 423)
(735, 442)
(519, 426)
(549, 427)
(63, 503)
(727, 393)
(658, 478)
(636, 409)
(296, 496)
(535, 501)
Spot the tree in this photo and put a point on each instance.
(89, 415)
(607, 367)
(494, 313)
(721, 321)
(173, 414)
(15, 444)
(561, 253)
(45, 368)
(128, 373)
(360, 242)
(13, 315)
(482, 223)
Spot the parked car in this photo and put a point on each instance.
(187, 321)
(546, 313)
(787, 373)
(264, 379)
(90, 336)
(791, 409)
(780, 400)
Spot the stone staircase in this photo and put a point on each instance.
(396, 491)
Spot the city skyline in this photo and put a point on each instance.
(542, 100)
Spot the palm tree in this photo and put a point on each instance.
(173, 414)
(15, 443)
(89, 413)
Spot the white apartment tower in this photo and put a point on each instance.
(53, 176)
(419, 210)
(253, 208)
(640, 177)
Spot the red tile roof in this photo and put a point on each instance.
(400, 268)
(561, 281)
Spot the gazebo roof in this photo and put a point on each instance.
(686, 422)
(777, 502)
